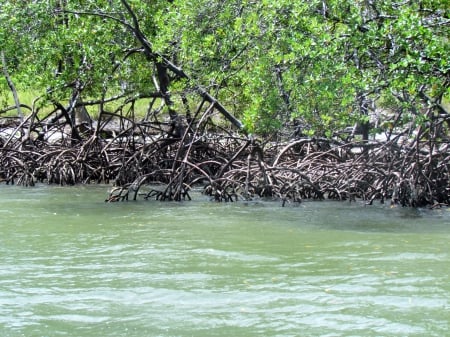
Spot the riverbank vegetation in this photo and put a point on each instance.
(247, 99)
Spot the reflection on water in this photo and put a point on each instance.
(71, 265)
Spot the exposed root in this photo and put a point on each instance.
(231, 168)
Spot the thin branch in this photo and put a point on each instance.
(102, 15)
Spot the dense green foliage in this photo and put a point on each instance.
(324, 64)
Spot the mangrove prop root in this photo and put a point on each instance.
(229, 167)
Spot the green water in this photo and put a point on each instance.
(72, 265)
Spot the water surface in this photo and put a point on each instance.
(72, 265)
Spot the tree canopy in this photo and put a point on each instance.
(324, 64)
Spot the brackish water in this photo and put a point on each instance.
(72, 265)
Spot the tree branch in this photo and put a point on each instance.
(160, 58)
